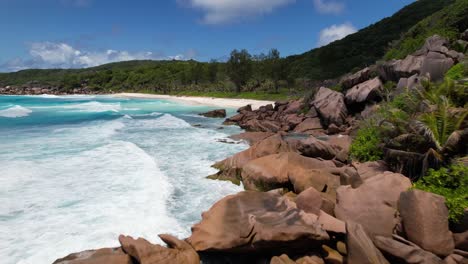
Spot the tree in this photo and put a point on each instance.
(213, 71)
(239, 68)
(274, 67)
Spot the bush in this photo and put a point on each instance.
(366, 145)
(452, 183)
(457, 72)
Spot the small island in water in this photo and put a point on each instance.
(353, 152)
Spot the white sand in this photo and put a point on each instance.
(219, 102)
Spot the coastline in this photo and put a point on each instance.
(209, 101)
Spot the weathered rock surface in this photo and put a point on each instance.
(100, 256)
(309, 201)
(257, 222)
(366, 92)
(361, 249)
(331, 106)
(316, 148)
(373, 204)
(309, 125)
(252, 137)
(274, 171)
(400, 250)
(230, 168)
(370, 169)
(144, 252)
(356, 78)
(461, 240)
(425, 221)
(218, 113)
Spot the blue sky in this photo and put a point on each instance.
(82, 33)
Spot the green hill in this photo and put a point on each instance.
(363, 47)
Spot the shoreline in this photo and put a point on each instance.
(197, 100)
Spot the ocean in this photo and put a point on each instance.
(78, 171)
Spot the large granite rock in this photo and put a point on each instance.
(230, 168)
(461, 240)
(361, 249)
(373, 204)
(309, 125)
(316, 148)
(274, 171)
(366, 92)
(100, 256)
(425, 221)
(370, 169)
(400, 250)
(435, 65)
(144, 252)
(256, 222)
(218, 113)
(252, 137)
(331, 106)
(309, 201)
(356, 78)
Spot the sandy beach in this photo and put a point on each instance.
(219, 102)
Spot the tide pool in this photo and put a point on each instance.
(77, 171)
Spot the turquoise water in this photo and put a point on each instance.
(77, 171)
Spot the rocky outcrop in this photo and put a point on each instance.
(308, 126)
(231, 168)
(275, 171)
(218, 113)
(316, 148)
(373, 204)
(252, 137)
(363, 93)
(309, 201)
(359, 77)
(331, 106)
(144, 252)
(399, 250)
(425, 221)
(255, 222)
(361, 249)
(434, 59)
(100, 256)
(370, 169)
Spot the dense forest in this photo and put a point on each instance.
(244, 72)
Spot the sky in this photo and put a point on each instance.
(86, 33)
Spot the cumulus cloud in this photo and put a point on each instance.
(63, 55)
(335, 32)
(328, 7)
(217, 12)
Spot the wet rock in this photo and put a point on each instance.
(361, 249)
(144, 252)
(373, 204)
(425, 221)
(331, 106)
(218, 113)
(100, 256)
(252, 137)
(256, 222)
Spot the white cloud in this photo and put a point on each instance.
(335, 32)
(223, 11)
(328, 7)
(63, 55)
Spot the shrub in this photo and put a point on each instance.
(366, 145)
(457, 72)
(452, 183)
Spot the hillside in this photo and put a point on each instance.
(363, 47)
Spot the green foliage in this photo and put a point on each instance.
(447, 22)
(239, 68)
(366, 145)
(364, 47)
(457, 72)
(452, 183)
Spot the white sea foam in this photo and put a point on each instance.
(94, 106)
(81, 201)
(15, 111)
(165, 121)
